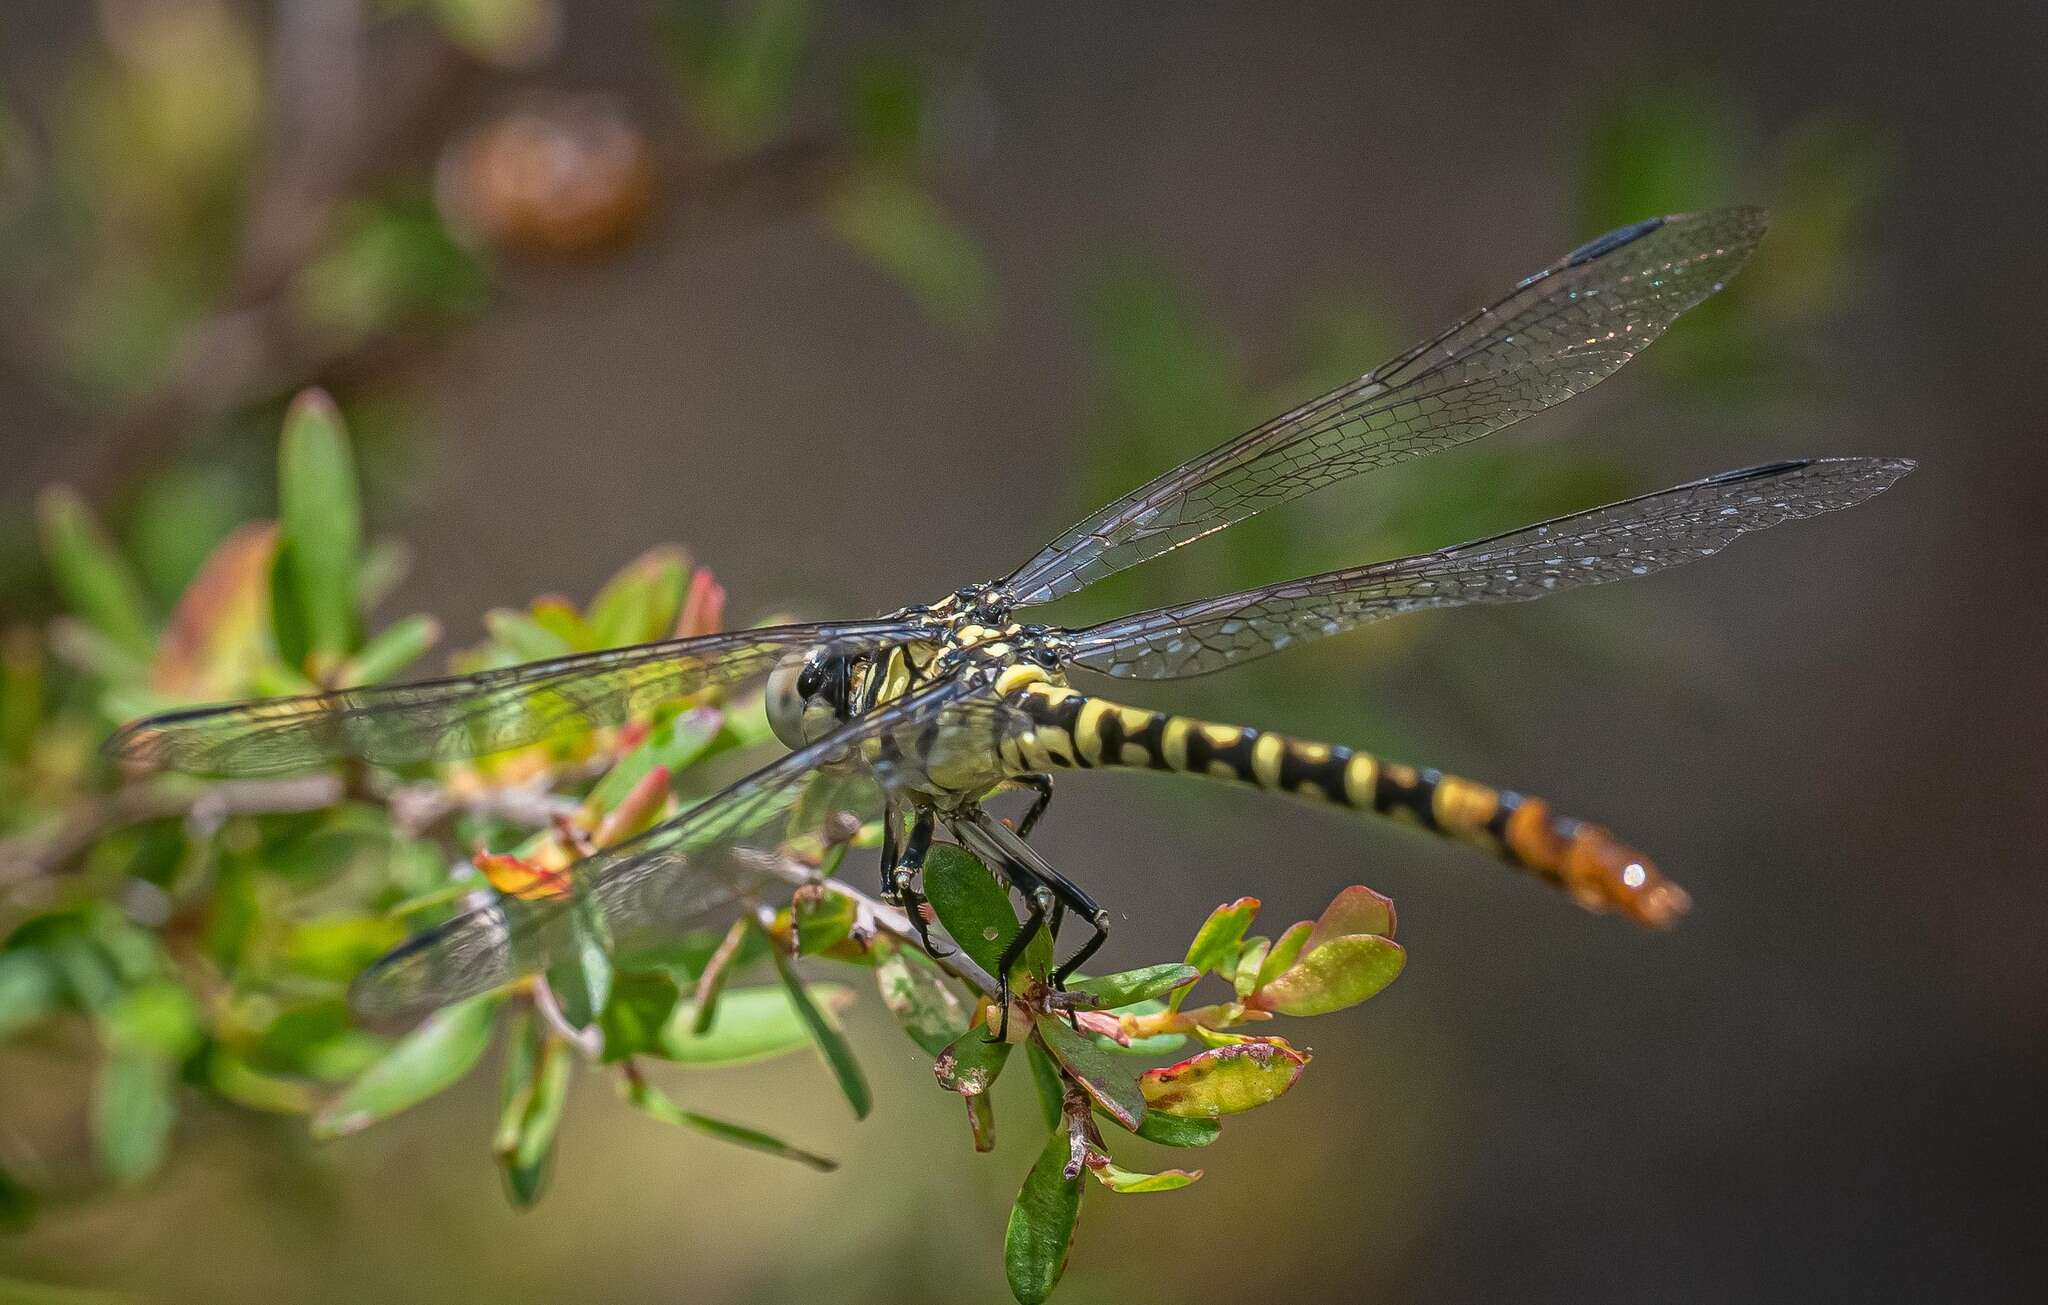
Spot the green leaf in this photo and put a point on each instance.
(650, 1100)
(1282, 955)
(1108, 1080)
(825, 1031)
(1356, 910)
(904, 229)
(1224, 1080)
(1113, 991)
(752, 1024)
(636, 1019)
(545, 1094)
(1244, 971)
(1174, 1130)
(976, 911)
(516, 1083)
(1041, 1229)
(1216, 942)
(981, 1121)
(640, 603)
(319, 534)
(1052, 1089)
(1339, 973)
(394, 648)
(133, 1109)
(95, 581)
(427, 1061)
(28, 990)
(1123, 1180)
(970, 1065)
(918, 994)
(523, 637)
(582, 981)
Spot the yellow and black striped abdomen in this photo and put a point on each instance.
(1073, 730)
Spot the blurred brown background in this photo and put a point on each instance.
(1824, 1085)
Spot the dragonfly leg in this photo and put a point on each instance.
(1009, 846)
(1042, 786)
(902, 881)
(1040, 899)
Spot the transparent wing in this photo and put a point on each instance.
(470, 715)
(652, 886)
(1556, 333)
(1630, 538)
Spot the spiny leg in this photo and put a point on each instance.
(1011, 848)
(1039, 898)
(901, 887)
(1042, 786)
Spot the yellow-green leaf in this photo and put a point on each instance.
(1224, 1080)
(1339, 973)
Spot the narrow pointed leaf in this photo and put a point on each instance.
(1124, 1180)
(1336, 974)
(425, 1062)
(825, 1031)
(1108, 1080)
(1224, 1080)
(319, 533)
(1052, 1089)
(1112, 991)
(393, 648)
(527, 1164)
(96, 582)
(1041, 1230)
(656, 1104)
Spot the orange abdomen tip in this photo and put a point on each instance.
(1605, 874)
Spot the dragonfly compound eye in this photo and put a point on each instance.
(791, 685)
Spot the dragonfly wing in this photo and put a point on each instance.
(1634, 537)
(470, 715)
(652, 886)
(1556, 333)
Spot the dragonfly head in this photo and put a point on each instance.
(809, 694)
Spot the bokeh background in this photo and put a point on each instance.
(861, 302)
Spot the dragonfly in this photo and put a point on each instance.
(931, 710)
